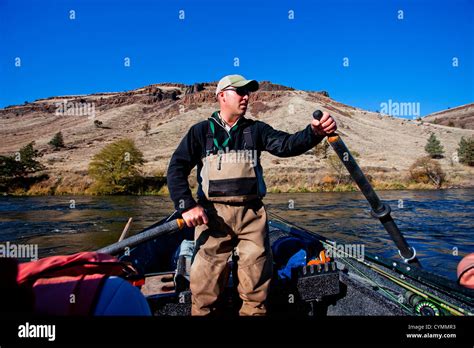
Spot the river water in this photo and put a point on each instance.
(439, 224)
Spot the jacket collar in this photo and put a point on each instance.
(215, 115)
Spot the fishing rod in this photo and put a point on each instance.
(453, 309)
(380, 210)
(442, 303)
(425, 299)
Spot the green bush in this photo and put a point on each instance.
(116, 168)
(466, 151)
(57, 141)
(22, 163)
(433, 147)
(9, 167)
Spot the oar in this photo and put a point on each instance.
(379, 210)
(152, 233)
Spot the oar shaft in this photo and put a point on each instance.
(379, 210)
(356, 173)
(152, 233)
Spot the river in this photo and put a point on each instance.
(439, 224)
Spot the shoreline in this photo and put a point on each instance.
(283, 189)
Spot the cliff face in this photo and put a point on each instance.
(387, 146)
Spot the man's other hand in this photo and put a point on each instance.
(325, 126)
(195, 216)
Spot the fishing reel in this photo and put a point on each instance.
(422, 306)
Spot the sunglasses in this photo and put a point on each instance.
(240, 91)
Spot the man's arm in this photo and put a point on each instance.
(283, 144)
(184, 159)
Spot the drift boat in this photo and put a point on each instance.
(311, 285)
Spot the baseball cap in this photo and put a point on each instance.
(236, 81)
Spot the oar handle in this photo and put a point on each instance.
(317, 115)
(152, 233)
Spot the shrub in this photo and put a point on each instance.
(339, 169)
(28, 160)
(321, 150)
(57, 141)
(116, 168)
(433, 147)
(9, 167)
(466, 151)
(425, 170)
(146, 128)
(22, 163)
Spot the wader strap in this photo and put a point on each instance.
(248, 138)
(209, 140)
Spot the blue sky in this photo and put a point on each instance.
(403, 60)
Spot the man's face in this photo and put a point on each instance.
(235, 100)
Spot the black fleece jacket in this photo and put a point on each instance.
(192, 149)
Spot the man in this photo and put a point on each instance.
(229, 216)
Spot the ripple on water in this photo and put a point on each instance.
(438, 224)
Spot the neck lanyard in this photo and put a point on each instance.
(213, 130)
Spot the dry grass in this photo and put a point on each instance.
(288, 183)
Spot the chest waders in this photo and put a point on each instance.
(229, 176)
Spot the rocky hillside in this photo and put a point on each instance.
(387, 146)
(461, 117)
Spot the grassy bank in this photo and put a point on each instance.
(79, 184)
